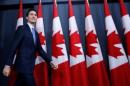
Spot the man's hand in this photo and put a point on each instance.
(6, 70)
(54, 65)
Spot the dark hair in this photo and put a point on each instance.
(29, 10)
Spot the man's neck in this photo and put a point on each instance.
(32, 24)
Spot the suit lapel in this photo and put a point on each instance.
(30, 33)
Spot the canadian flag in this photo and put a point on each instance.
(41, 67)
(20, 15)
(60, 76)
(13, 74)
(97, 73)
(126, 26)
(79, 75)
(118, 62)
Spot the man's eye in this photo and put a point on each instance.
(31, 14)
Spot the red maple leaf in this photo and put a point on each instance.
(114, 39)
(91, 38)
(75, 39)
(42, 38)
(127, 39)
(56, 40)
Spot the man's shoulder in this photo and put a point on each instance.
(23, 27)
(20, 30)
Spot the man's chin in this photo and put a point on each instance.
(33, 22)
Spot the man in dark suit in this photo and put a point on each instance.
(26, 42)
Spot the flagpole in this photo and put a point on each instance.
(40, 1)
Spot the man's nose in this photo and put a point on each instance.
(34, 16)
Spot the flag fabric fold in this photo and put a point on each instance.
(97, 72)
(126, 24)
(41, 67)
(20, 15)
(77, 59)
(61, 76)
(118, 62)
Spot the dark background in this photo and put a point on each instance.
(8, 18)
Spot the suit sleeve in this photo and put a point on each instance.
(42, 53)
(15, 43)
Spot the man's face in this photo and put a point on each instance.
(32, 17)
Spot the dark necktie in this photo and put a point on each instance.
(34, 35)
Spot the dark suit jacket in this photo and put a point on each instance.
(23, 42)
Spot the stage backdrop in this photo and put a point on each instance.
(8, 17)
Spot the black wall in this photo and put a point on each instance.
(8, 17)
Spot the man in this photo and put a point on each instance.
(27, 42)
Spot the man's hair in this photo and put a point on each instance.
(29, 10)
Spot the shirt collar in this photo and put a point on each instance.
(30, 26)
